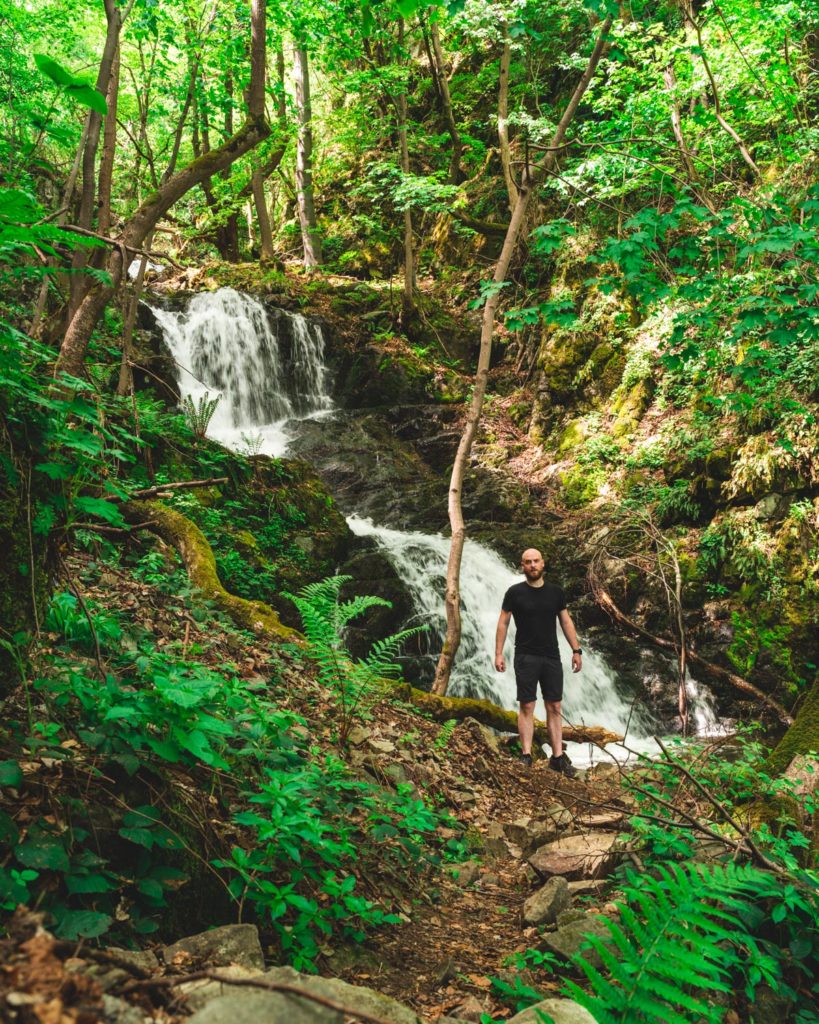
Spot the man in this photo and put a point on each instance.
(537, 606)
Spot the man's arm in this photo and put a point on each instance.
(500, 640)
(570, 633)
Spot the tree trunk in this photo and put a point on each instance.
(503, 125)
(455, 175)
(262, 218)
(408, 301)
(146, 217)
(109, 146)
(311, 242)
(456, 520)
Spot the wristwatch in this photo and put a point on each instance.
(577, 650)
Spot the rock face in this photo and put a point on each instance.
(580, 856)
(552, 899)
(562, 1011)
(220, 947)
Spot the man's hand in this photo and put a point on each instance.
(500, 664)
(577, 661)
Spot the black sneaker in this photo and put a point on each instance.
(563, 765)
(526, 760)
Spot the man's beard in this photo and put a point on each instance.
(533, 574)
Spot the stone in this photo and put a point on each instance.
(274, 1007)
(463, 798)
(568, 938)
(381, 746)
(562, 1011)
(464, 874)
(570, 916)
(528, 834)
(543, 906)
(471, 1009)
(558, 817)
(117, 1011)
(357, 735)
(587, 855)
(142, 959)
(482, 734)
(203, 991)
(494, 841)
(583, 886)
(606, 819)
(229, 944)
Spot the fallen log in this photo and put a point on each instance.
(200, 563)
(443, 708)
(605, 601)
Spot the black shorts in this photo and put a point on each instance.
(531, 669)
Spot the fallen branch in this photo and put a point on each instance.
(443, 708)
(151, 492)
(268, 986)
(605, 601)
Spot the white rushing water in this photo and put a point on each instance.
(225, 344)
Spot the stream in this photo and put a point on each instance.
(269, 370)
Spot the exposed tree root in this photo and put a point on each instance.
(198, 558)
(484, 711)
(605, 601)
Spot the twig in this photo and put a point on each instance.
(81, 600)
(268, 986)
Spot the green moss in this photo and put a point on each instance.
(581, 484)
(629, 406)
(574, 434)
(802, 737)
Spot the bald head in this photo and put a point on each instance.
(531, 561)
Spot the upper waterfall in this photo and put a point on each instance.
(265, 368)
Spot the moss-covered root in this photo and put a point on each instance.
(801, 738)
(487, 713)
(198, 558)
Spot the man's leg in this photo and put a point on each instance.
(526, 725)
(554, 726)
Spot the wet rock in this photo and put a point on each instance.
(543, 906)
(230, 944)
(587, 855)
(562, 1011)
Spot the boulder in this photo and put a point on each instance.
(464, 874)
(543, 906)
(562, 1011)
(528, 834)
(803, 773)
(494, 842)
(219, 947)
(586, 855)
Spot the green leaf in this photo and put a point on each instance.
(140, 836)
(43, 852)
(88, 96)
(100, 508)
(89, 883)
(88, 924)
(10, 773)
(56, 72)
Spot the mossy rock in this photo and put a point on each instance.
(629, 406)
(574, 434)
(581, 485)
(605, 368)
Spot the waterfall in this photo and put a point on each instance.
(269, 371)
(266, 370)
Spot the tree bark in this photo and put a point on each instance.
(455, 176)
(155, 206)
(503, 124)
(408, 300)
(109, 146)
(456, 520)
(311, 242)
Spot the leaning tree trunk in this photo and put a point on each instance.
(146, 217)
(503, 119)
(311, 242)
(456, 520)
(408, 302)
(446, 104)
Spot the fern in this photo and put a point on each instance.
(680, 945)
(199, 414)
(357, 684)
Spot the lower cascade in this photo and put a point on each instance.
(269, 373)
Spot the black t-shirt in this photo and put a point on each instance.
(535, 611)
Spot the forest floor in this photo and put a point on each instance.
(460, 930)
